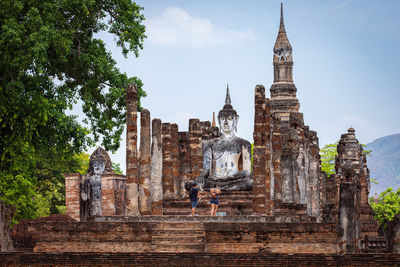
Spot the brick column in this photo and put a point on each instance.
(276, 160)
(259, 152)
(132, 191)
(195, 144)
(144, 164)
(168, 188)
(176, 180)
(268, 160)
(72, 195)
(156, 168)
(184, 159)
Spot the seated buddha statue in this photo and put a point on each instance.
(227, 159)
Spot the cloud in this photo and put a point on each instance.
(178, 27)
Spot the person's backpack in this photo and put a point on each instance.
(191, 193)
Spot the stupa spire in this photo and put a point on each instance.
(283, 87)
(227, 97)
(228, 104)
(282, 24)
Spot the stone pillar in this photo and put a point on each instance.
(144, 164)
(276, 160)
(315, 177)
(259, 153)
(269, 176)
(287, 160)
(132, 190)
(176, 180)
(167, 164)
(185, 160)
(347, 174)
(72, 195)
(195, 143)
(156, 168)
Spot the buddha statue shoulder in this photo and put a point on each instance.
(227, 159)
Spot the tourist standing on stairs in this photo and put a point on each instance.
(214, 199)
(193, 197)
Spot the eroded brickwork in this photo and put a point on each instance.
(145, 164)
(167, 163)
(156, 168)
(72, 195)
(132, 186)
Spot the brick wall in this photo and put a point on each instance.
(220, 237)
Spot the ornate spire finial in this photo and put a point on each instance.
(213, 121)
(228, 106)
(282, 25)
(228, 97)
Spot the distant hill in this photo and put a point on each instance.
(384, 163)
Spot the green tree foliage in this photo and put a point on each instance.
(49, 59)
(387, 206)
(117, 168)
(328, 154)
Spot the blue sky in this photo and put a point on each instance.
(345, 53)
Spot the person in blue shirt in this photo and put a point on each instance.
(193, 197)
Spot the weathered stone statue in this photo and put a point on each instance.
(227, 159)
(99, 163)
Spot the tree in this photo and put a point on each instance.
(50, 59)
(328, 154)
(387, 206)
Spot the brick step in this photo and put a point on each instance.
(178, 233)
(222, 202)
(178, 248)
(180, 226)
(178, 241)
(204, 212)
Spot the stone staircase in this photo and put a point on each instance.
(179, 237)
(231, 203)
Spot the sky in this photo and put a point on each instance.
(345, 54)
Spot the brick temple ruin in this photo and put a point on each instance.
(293, 207)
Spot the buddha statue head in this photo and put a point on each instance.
(100, 162)
(228, 118)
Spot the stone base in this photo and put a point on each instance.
(177, 234)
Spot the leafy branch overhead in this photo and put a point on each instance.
(50, 58)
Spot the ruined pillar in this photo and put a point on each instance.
(176, 180)
(167, 164)
(195, 143)
(185, 160)
(259, 153)
(276, 160)
(269, 175)
(144, 164)
(315, 177)
(156, 168)
(347, 174)
(132, 190)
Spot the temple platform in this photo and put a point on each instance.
(178, 234)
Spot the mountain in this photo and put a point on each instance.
(384, 163)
